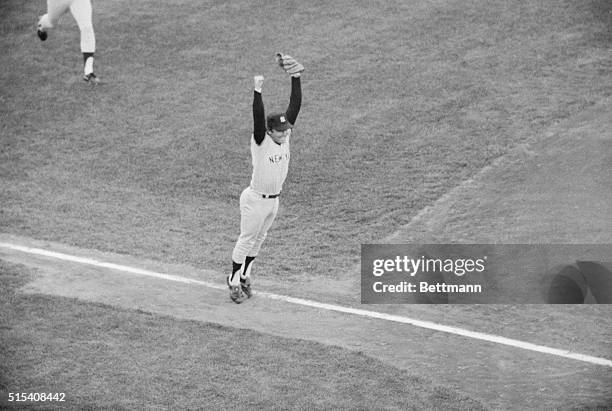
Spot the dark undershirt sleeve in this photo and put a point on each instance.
(295, 101)
(259, 118)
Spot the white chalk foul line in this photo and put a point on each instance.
(112, 266)
(323, 306)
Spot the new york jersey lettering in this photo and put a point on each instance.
(270, 165)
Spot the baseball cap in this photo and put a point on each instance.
(278, 122)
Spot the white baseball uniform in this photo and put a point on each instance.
(81, 10)
(270, 165)
(270, 168)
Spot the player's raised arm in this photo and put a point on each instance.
(295, 70)
(259, 117)
(295, 101)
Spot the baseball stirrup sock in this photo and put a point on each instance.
(233, 278)
(88, 59)
(246, 272)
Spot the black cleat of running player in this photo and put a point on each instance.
(42, 35)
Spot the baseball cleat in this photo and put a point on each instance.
(245, 284)
(236, 294)
(91, 78)
(42, 35)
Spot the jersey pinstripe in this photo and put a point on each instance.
(270, 165)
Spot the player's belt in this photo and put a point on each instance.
(270, 195)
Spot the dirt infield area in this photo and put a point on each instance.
(557, 191)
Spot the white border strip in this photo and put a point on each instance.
(330, 307)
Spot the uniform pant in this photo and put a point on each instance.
(256, 217)
(81, 11)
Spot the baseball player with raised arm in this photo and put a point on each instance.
(270, 159)
(81, 10)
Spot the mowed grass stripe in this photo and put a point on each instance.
(324, 306)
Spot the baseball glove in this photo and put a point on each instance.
(289, 64)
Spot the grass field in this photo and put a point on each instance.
(107, 358)
(403, 101)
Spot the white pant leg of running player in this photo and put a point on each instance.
(55, 10)
(256, 217)
(82, 12)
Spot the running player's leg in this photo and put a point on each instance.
(55, 10)
(82, 12)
